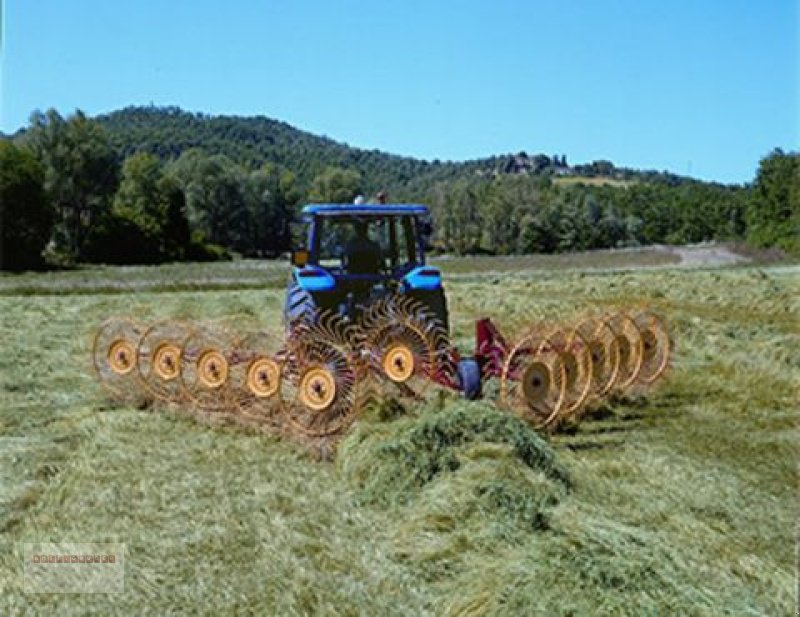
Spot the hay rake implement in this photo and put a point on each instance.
(316, 382)
(365, 318)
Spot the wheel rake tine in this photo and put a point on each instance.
(160, 351)
(115, 359)
(206, 368)
(604, 355)
(532, 380)
(657, 346)
(257, 367)
(323, 378)
(403, 345)
(578, 373)
(629, 346)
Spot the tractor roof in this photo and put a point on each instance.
(365, 209)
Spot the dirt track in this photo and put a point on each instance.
(700, 256)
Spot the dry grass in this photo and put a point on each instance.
(680, 503)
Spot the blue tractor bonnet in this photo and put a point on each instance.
(423, 278)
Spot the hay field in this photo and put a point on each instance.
(684, 502)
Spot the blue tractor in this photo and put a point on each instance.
(357, 253)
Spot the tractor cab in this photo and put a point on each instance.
(355, 253)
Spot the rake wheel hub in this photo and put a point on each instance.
(166, 361)
(121, 357)
(570, 368)
(317, 389)
(597, 352)
(263, 377)
(398, 363)
(536, 382)
(649, 344)
(624, 349)
(212, 369)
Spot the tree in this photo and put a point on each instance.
(335, 185)
(215, 198)
(26, 218)
(80, 175)
(176, 233)
(270, 196)
(773, 218)
(139, 197)
(150, 207)
(500, 207)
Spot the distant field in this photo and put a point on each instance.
(682, 503)
(567, 180)
(250, 273)
(264, 273)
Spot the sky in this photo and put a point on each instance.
(701, 88)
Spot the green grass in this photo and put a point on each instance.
(683, 502)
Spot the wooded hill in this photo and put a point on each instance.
(146, 185)
(167, 132)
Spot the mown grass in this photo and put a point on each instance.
(683, 502)
(257, 274)
(240, 274)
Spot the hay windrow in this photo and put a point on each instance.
(389, 465)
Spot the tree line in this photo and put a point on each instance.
(78, 190)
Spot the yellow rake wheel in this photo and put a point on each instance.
(533, 380)
(122, 357)
(630, 347)
(398, 363)
(256, 372)
(167, 361)
(576, 361)
(205, 368)
(212, 369)
(317, 389)
(160, 359)
(115, 358)
(656, 347)
(603, 352)
(402, 343)
(322, 377)
(263, 378)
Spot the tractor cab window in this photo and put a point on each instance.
(353, 243)
(365, 244)
(406, 242)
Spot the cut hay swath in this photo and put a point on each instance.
(315, 382)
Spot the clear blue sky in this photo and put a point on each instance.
(699, 87)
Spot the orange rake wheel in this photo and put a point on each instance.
(533, 380)
(159, 351)
(630, 348)
(321, 378)
(576, 360)
(403, 344)
(206, 368)
(603, 352)
(656, 346)
(256, 375)
(115, 358)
